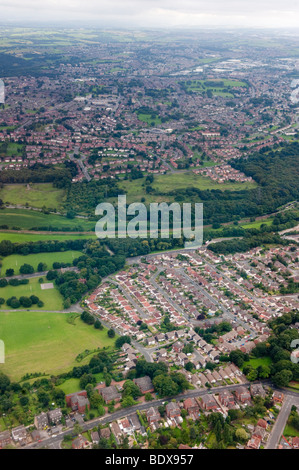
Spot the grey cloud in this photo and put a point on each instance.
(158, 12)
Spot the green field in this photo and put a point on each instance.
(171, 182)
(148, 119)
(260, 361)
(16, 237)
(27, 219)
(15, 261)
(45, 342)
(164, 184)
(53, 300)
(35, 195)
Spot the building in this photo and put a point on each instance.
(208, 403)
(173, 410)
(41, 421)
(153, 415)
(191, 405)
(144, 384)
(110, 394)
(55, 416)
(5, 439)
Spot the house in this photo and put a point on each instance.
(70, 398)
(243, 394)
(55, 416)
(144, 384)
(277, 396)
(19, 434)
(173, 410)
(95, 437)
(254, 443)
(153, 415)
(178, 347)
(78, 401)
(79, 443)
(262, 423)
(110, 394)
(5, 439)
(116, 431)
(170, 335)
(257, 390)
(191, 405)
(208, 402)
(105, 433)
(41, 421)
(226, 398)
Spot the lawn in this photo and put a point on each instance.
(52, 298)
(27, 219)
(36, 195)
(45, 342)
(259, 361)
(15, 261)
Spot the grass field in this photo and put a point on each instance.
(38, 195)
(260, 361)
(34, 237)
(164, 184)
(52, 298)
(171, 182)
(27, 219)
(15, 261)
(148, 119)
(45, 342)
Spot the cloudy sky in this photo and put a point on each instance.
(157, 13)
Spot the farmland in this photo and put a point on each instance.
(15, 261)
(45, 342)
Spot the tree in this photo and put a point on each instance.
(119, 342)
(282, 378)
(111, 333)
(4, 382)
(165, 386)
(26, 269)
(9, 272)
(241, 435)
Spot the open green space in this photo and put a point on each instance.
(15, 261)
(164, 184)
(148, 119)
(35, 195)
(51, 298)
(19, 237)
(259, 361)
(45, 342)
(27, 219)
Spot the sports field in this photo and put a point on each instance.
(53, 300)
(15, 261)
(45, 342)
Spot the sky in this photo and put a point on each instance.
(156, 13)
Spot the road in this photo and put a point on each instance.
(125, 412)
(281, 421)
